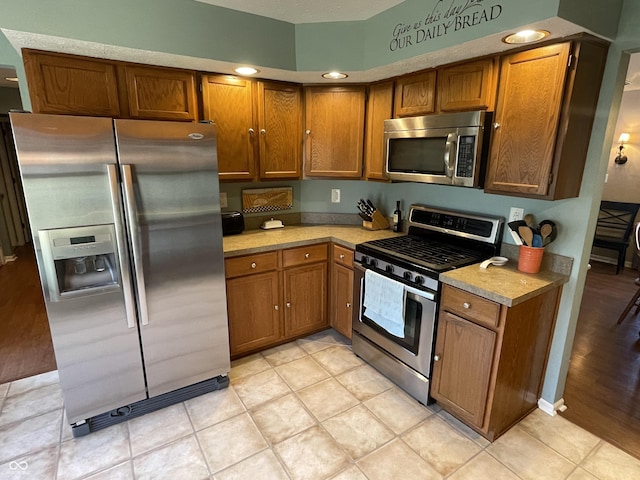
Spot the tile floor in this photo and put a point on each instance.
(306, 410)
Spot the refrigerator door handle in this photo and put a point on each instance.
(123, 258)
(132, 217)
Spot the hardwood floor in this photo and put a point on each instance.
(602, 393)
(25, 340)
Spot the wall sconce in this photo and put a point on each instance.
(620, 158)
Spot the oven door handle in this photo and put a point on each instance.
(428, 294)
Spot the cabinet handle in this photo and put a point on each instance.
(348, 305)
(251, 131)
(466, 305)
(263, 131)
(342, 256)
(276, 307)
(496, 126)
(307, 132)
(436, 358)
(253, 265)
(307, 255)
(288, 304)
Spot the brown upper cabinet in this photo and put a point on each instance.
(259, 127)
(546, 104)
(75, 85)
(334, 135)
(467, 86)
(379, 108)
(415, 94)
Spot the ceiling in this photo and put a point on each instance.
(309, 11)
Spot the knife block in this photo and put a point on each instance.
(378, 222)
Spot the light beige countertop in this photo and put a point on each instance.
(503, 284)
(255, 241)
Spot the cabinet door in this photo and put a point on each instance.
(254, 312)
(342, 299)
(379, 109)
(280, 125)
(469, 86)
(227, 101)
(529, 104)
(66, 84)
(334, 119)
(305, 299)
(415, 94)
(161, 93)
(461, 374)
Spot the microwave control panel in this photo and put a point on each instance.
(466, 156)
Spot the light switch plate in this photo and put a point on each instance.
(335, 195)
(516, 213)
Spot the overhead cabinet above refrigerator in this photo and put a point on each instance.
(127, 232)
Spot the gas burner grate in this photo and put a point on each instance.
(426, 250)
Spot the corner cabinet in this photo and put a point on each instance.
(379, 109)
(334, 135)
(490, 359)
(546, 104)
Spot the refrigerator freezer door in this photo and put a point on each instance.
(169, 170)
(64, 163)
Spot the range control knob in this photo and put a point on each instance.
(373, 262)
(365, 260)
(418, 280)
(389, 268)
(407, 275)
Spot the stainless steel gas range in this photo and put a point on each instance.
(397, 290)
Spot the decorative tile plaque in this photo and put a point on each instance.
(261, 200)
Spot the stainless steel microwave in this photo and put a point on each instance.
(447, 149)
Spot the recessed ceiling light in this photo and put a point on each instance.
(246, 70)
(526, 36)
(334, 75)
(11, 79)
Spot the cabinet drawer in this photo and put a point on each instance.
(303, 255)
(470, 306)
(262, 262)
(343, 256)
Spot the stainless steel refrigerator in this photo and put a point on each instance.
(127, 233)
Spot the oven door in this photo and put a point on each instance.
(416, 347)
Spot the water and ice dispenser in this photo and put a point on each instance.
(80, 261)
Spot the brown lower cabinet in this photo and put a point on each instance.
(341, 289)
(276, 296)
(490, 359)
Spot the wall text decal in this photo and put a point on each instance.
(446, 16)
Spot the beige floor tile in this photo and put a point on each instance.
(264, 465)
(34, 382)
(337, 359)
(231, 441)
(4, 388)
(282, 418)
(124, 471)
(528, 457)
(312, 455)
(351, 473)
(484, 466)
(302, 372)
(67, 433)
(214, 407)
(181, 459)
(321, 340)
(462, 428)
(158, 428)
(610, 463)
(40, 465)
(397, 410)
(560, 434)
(358, 431)
(442, 446)
(260, 388)
(247, 366)
(284, 354)
(396, 460)
(94, 452)
(30, 403)
(581, 474)
(29, 436)
(327, 398)
(364, 382)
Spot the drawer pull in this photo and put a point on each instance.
(348, 305)
(436, 358)
(288, 304)
(342, 256)
(307, 255)
(253, 265)
(466, 305)
(276, 307)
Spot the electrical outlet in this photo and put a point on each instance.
(515, 214)
(223, 199)
(335, 195)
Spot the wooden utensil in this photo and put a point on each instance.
(530, 221)
(527, 235)
(545, 231)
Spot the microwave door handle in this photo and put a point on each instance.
(450, 154)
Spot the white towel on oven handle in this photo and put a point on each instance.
(384, 300)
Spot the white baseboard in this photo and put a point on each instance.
(551, 408)
(10, 258)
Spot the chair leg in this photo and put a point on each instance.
(629, 307)
(620, 265)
